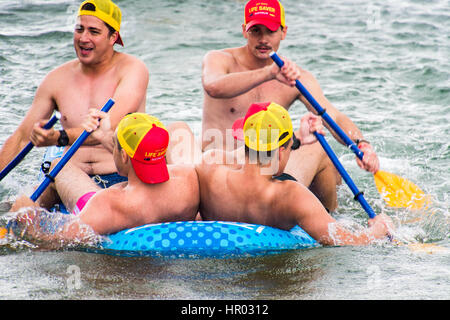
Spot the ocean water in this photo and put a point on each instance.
(385, 65)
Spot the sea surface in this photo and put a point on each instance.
(384, 64)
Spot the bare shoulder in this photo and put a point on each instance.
(184, 177)
(125, 58)
(106, 196)
(182, 171)
(62, 71)
(127, 63)
(224, 54)
(55, 81)
(224, 57)
(308, 79)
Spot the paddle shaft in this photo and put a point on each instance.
(321, 111)
(358, 194)
(14, 162)
(73, 148)
(349, 142)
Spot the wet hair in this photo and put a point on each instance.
(264, 157)
(91, 7)
(119, 147)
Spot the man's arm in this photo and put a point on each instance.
(370, 161)
(53, 229)
(40, 110)
(220, 83)
(317, 222)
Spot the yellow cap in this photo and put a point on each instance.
(263, 126)
(145, 139)
(106, 11)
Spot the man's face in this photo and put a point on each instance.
(262, 41)
(91, 39)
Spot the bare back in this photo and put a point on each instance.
(241, 193)
(233, 193)
(128, 205)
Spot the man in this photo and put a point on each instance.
(234, 78)
(97, 74)
(153, 193)
(250, 191)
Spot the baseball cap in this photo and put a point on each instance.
(145, 139)
(263, 125)
(269, 13)
(106, 11)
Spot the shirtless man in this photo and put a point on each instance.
(248, 192)
(234, 78)
(98, 73)
(153, 193)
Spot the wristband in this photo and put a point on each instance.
(63, 139)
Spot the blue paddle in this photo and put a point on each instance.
(14, 162)
(50, 177)
(359, 196)
(322, 112)
(397, 191)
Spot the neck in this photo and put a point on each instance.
(266, 171)
(100, 66)
(133, 179)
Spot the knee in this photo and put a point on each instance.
(332, 172)
(182, 147)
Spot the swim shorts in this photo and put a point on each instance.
(284, 176)
(82, 202)
(107, 180)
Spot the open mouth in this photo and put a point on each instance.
(85, 50)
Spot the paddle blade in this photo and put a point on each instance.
(3, 232)
(399, 192)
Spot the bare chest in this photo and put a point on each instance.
(78, 94)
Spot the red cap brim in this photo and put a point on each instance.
(119, 40)
(156, 172)
(273, 26)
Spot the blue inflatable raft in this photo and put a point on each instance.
(205, 239)
(197, 238)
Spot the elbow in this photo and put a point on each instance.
(214, 90)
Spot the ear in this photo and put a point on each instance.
(113, 37)
(244, 33)
(124, 156)
(284, 32)
(281, 153)
(283, 157)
